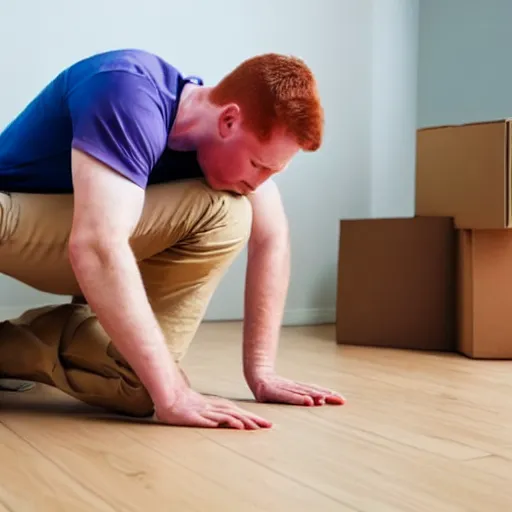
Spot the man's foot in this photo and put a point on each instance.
(16, 385)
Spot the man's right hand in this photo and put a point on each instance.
(192, 409)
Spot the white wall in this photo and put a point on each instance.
(464, 61)
(394, 87)
(336, 37)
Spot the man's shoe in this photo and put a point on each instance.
(16, 385)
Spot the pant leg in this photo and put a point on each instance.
(65, 347)
(186, 238)
(180, 280)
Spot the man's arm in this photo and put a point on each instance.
(268, 274)
(107, 208)
(267, 279)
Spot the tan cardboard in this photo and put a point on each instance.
(484, 297)
(396, 283)
(464, 172)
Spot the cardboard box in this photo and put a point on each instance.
(464, 172)
(485, 294)
(397, 283)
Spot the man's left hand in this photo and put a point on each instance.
(275, 389)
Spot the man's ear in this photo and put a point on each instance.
(229, 120)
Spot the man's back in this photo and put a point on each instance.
(118, 106)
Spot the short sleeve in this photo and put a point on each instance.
(118, 118)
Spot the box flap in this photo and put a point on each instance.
(459, 125)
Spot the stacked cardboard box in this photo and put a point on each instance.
(465, 172)
(441, 280)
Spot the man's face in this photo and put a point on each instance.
(237, 161)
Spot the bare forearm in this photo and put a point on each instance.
(111, 283)
(266, 288)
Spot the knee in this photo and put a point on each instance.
(225, 219)
(235, 219)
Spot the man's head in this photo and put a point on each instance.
(262, 113)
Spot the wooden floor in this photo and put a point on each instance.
(420, 432)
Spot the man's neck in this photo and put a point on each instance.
(194, 111)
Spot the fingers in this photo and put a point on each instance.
(203, 422)
(250, 422)
(237, 420)
(288, 396)
(301, 394)
(223, 419)
(209, 412)
(308, 388)
(295, 397)
(321, 399)
(227, 413)
(258, 420)
(231, 408)
(334, 400)
(319, 395)
(249, 419)
(195, 420)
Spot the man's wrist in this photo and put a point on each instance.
(166, 399)
(255, 373)
(166, 382)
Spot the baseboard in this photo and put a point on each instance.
(311, 316)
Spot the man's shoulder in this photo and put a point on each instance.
(136, 61)
(133, 62)
(117, 74)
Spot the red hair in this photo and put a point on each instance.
(275, 91)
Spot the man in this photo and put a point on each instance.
(135, 187)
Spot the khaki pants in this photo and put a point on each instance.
(186, 239)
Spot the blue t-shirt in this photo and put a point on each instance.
(118, 106)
